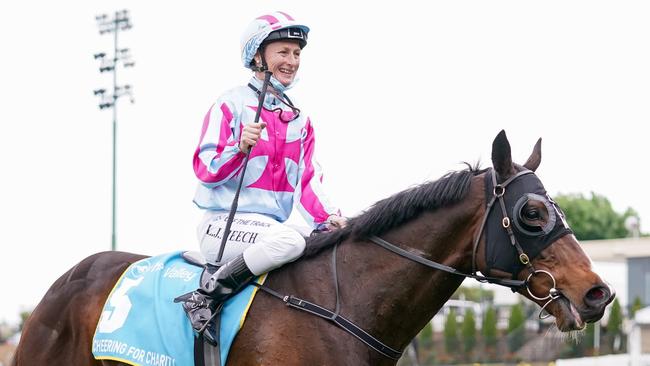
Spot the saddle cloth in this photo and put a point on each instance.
(141, 325)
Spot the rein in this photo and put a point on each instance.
(497, 193)
(513, 284)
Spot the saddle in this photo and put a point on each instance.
(202, 309)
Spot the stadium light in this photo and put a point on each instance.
(119, 21)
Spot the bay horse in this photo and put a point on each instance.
(466, 222)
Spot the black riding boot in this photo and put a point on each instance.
(228, 280)
(201, 304)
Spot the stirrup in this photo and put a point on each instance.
(202, 313)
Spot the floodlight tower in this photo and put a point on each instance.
(119, 21)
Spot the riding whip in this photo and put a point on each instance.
(235, 201)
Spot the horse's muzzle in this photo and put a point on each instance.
(595, 300)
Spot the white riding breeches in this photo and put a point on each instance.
(265, 243)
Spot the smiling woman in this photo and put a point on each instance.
(256, 156)
(282, 59)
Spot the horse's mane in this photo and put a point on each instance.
(399, 208)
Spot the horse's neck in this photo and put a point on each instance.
(392, 297)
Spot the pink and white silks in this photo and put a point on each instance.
(281, 169)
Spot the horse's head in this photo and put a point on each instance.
(526, 237)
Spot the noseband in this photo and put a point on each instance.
(498, 192)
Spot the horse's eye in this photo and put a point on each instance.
(532, 213)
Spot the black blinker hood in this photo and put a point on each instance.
(499, 252)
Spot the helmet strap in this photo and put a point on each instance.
(264, 67)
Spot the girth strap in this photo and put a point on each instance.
(205, 354)
(344, 323)
(339, 320)
(334, 316)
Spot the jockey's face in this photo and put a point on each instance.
(283, 60)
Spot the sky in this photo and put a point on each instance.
(400, 93)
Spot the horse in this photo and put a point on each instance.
(395, 265)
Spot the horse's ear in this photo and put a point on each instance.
(501, 156)
(536, 157)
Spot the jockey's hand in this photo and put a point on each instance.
(336, 222)
(249, 135)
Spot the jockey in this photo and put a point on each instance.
(281, 170)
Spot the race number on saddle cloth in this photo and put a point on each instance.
(141, 325)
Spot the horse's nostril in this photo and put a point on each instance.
(597, 296)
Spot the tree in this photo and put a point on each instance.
(593, 217)
(588, 337)
(424, 340)
(24, 315)
(472, 293)
(614, 328)
(636, 306)
(585, 347)
(516, 329)
(615, 321)
(451, 332)
(489, 328)
(468, 332)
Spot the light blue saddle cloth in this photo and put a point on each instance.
(141, 325)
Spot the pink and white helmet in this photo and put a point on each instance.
(271, 27)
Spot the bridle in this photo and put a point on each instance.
(498, 192)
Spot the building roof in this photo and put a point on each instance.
(616, 250)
